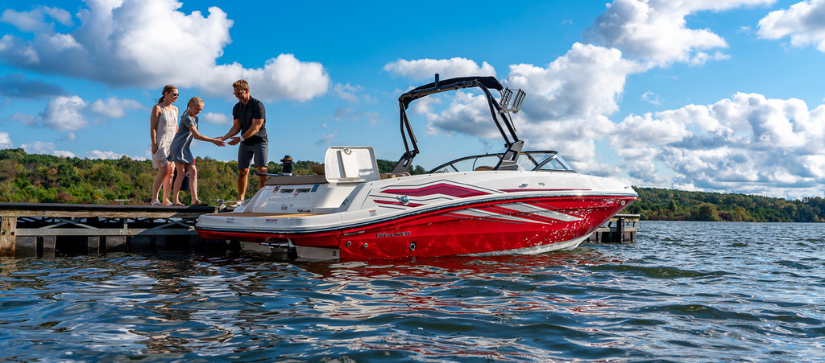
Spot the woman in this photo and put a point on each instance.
(164, 125)
(181, 155)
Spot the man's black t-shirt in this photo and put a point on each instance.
(254, 110)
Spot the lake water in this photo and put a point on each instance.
(684, 292)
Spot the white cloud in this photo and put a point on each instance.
(128, 43)
(281, 78)
(425, 106)
(18, 52)
(34, 20)
(651, 98)
(97, 154)
(640, 140)
(747, 143)
(40, 147)
(5, 141)
(425, 69)
(584, 83)
(568, 101)
(62, 16)
(64, 153)
(351, 93)
(803, 22)
(217, 118)
(326, 139)
(65, 114)
(23, 118)
(467, 114)
(350, 113)
(346, 92)
(656, 32)
(115, 107)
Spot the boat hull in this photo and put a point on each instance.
(510, 226)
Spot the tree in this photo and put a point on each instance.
(707, 212)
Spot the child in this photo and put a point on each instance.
(181, 155)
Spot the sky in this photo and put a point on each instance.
(704, 95)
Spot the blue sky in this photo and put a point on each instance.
(712, 95)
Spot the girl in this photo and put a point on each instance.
(163, 120)
(180, 153)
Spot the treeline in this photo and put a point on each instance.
(676, 205)
(35, 178)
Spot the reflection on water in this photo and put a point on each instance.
(683, 292)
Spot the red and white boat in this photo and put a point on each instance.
(514, 202)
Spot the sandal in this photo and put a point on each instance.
(199, 204)
(155, 202)
(178, 204)
(168, 204)
(236, 204)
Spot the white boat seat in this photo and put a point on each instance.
(318, 169)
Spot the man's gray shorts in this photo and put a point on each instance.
(259, 150)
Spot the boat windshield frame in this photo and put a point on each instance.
(541, 160)
(500, 115)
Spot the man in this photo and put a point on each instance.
(250, 120)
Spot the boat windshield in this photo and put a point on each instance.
(527, 161)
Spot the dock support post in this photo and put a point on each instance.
(8, 228)
(620, 231)
(115, 243)
(95, 245)
(25, 247)
(49, 246)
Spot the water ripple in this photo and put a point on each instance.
(686, 292)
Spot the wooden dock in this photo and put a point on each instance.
(619, 229)
(46, 229)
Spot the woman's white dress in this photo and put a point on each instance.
(165, 133)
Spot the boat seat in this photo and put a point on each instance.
(318, 169)
(483, 168)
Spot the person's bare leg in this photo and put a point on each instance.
(167, 182)
(178, 182)
(160, 178)
(242, 174)
(261, 177)
(193, 183)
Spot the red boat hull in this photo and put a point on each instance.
(482, 228)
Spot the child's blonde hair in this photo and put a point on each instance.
(193, 101)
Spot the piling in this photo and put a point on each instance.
(619, 229)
